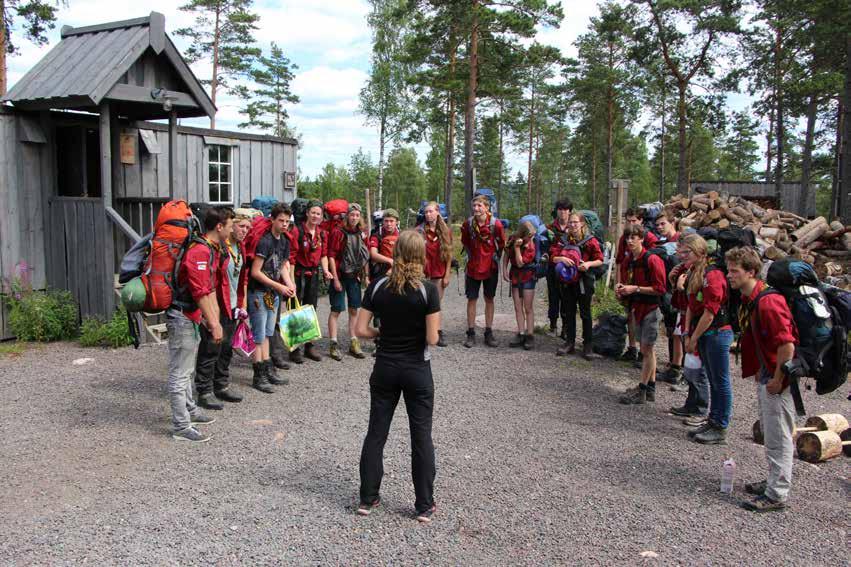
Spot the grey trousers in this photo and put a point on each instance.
(777, 416)
(183, 340)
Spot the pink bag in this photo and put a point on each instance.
(243, 339)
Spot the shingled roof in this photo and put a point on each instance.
(124, 62)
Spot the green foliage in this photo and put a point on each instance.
(43, 316)
(273, 75)
(605, 301)
(35, 16)
(11, 348)
(113, 334)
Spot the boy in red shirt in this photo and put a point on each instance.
(633, 217)
(666, 227)
(382, 243)
(483, 237)
(642, 284)
(558, 227)
(768, 339)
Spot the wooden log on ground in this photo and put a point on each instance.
(699, 205)
(742, 212)
(812, 235)
(818, 446)
(723, 223)
(769, 232)
(793, 216)
(835, 422)
(769, 216)
(815, 224)
(774, 253)
(755, 209)
(783, 243)
(836, 253)
(844, 238)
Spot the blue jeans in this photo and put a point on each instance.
(263, 320)
(182, 344)
(714, 348)
(697, 400)
(351, 291)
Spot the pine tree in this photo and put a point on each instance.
(267, 111)
(34, 17)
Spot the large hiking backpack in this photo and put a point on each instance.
(542, 246)
(421, 212)
(667, 251)
(651, 213)
(608, 336)
(264, 204)
(385, 248)
(299, 208)
(822, 352)
(259, 227)
(490, 196)
(355, 253)
(336, 207)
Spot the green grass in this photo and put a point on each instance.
(11, 348)
(604, 301)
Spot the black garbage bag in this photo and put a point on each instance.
(609, 335)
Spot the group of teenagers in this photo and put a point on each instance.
(406, 274)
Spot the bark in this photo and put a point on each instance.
(214, 82)
(594, 173)
(846, 138)
(769, 145)
(450, 136)
(682, 173)
(531, 149)
(778, 95)
(499, 161)
(610, 120)
(662, 149)
(806, 158)
(470, 113)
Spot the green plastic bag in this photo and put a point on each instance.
(299, 324)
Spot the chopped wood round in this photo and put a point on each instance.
(818, 446)
(828, 422)
(845, 436)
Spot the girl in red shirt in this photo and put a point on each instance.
(520, 254)
(438, 240)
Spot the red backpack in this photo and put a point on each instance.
(259, 227)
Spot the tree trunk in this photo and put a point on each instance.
(845, 188)
(662, 149)
(450, 137)
(2, 50)
(381, 142)
(470, 113)
(806, 159)
(500, 160)
(835, 211)
(593, 172)
(769, 145)
(531, 149)
(610, 121)
(778, 95)
(214, 82)
(682, 179)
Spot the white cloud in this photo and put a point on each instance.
(327, 84)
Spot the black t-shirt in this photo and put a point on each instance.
(274, 251)
(403, 325)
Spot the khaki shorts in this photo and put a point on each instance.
(648, 330)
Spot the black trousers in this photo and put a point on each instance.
(388, 381)
(307, 287)
(570, 300)
(212, 364)
(553, 295)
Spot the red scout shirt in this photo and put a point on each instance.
(516, 273)
(202, 279)
(557, 230)
(435, 267)
(650, 241)
(776, 328)
(308, 251)
(712, 297)
(481, 246)
(649, 273)
(385, 244)
(337, 243)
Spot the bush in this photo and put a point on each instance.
(114, 333)
(43, 316)
(605, 301)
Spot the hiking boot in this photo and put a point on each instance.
(701, 429)
(639, 361)
(295, 356)
(334, 351)
(279, 362)
(713, 436)
(553, 326)
(517, 341)
(651, 391)
(763, 503)
(697, 420)
(470, 341)
(260, 381)
(272, 375)
(529, 342)
(566, 348)
(201, 419)
(425, 516)
(366, 508)
(228, 396)
(671, 375)
(441, 342)
(588, 353)
(682, 411)
(757, 488)
(679, 386)
(635, 396)
(490, 340)
(354, 348)
(190, 434)
(629, 355)
(208, 401)
(310, 352)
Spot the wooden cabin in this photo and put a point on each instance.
(790, 193)
(84, 170)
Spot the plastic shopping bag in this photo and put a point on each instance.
(243, 339)
(299, 324)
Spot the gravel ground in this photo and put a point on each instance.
(537, 464)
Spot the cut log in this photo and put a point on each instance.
(783, 243)
(774, 253)
(845, 238)
(812, 235)
(712, 195)
(817, 446)
(769, 216)
(835, 422)
(715, 214)
(699, 205)
(793, 216)
(809, 227)
(836, 253)
(723, 223)
(742, 212)
(769, 232)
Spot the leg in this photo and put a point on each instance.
(221, 378)
(568, 312)
(489, 311)
(384, 395)
(778, 423)
(333, 317)
(630, 330)
(529, 310)
(419, 402)
(648, 365)
(584, 301)
(471, 313)
(182, 343)
(717, 364)
(518, 309)
(205, 362)
(353, 316)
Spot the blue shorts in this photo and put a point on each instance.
(351, 292)
(263, 320)
(525, 285)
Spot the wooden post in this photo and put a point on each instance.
(172, 151)
(368, 210)
(105, 154)
(621, 189)
(107, 254)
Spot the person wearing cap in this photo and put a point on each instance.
(382, 243)
(348, 256)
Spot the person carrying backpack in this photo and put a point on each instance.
(666, 227)
(310, 256)
(561, 214)
(348, 257)
(579, 293)
(438, 239)
(517, 269)
(769, 336)
(382, 243)
(483, 237)
(201, 292)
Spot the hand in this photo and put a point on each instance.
(240, 314)
(337, 285)
(691, 345)
(583, 266)
(567, 261)
(328, 275)
(444, 282)
(681, 281)
(775, 385)
(505, 276)
(216, 331)
(518, 243)
(287, 290)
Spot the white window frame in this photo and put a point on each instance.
(216, 183)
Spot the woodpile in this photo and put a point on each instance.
(826, 245)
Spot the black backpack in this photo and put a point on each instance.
(355, 253)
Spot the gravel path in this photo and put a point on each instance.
(537, 465)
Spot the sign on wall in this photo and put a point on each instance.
(128, 148)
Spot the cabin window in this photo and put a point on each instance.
(220, 174)
(78, 161)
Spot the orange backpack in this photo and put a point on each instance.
(173, 232)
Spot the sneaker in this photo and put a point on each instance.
(425, 516)
(366, 508)
(763, 503)
(634, 396)
(701, 429)
(696, 420)
(517, 341)
(208, 401)
(628, 355)
(490, 340)
(529, 343)
(202, 419)
(441, 341)
(470, 341)
(190, 434)
(334, 351)
(354, 348)
(757, 488)
(566, 349)
(712, 436)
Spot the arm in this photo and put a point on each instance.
(518, 255)
(504, 262)
(335, 279)
(288, 287)
(785, 352)
(595, 255)
(257, 274)
(432, 328)
(702, 324)
(323, 260)
(362, 327)
(209, 306)
(380, 258)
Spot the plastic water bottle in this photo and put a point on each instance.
(728, 473)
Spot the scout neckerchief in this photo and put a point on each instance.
(235, 257)
(478, 231)
(430, 234)
(308, 240)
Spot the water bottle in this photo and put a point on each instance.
(728, 473)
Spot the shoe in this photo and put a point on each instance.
(639, 361)
(354, 348)
(629, 355)
(566, 348)
(366, 508)
(470, 341)
(701, 429)
(261, 381)
(310, 352)
(202, 419)
(670, 375)
(296, 357)
(712, 436)
(517, 341)
(441, 342)
(529, 342)
(208, 401)
(334, 352)
(228, 396)
(763, 503)
(588, 354)
(680, 386)
(553, 326)
(682, 411)
(634, 396)
(651, 392)
(272, 375)
(757, 488)
(190, 434)
(490, 340)
(425, 516)
(696, 420)
(280, 363)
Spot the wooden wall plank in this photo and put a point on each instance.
(266, 168)
(236, 187)
(32, 249)
(245, 171)
(148, 167)
(162, 166)
(181, 188)
(191, 163)
(69, 218)
(256, 168)
(7, 133)
(10, 227)
(278, 171)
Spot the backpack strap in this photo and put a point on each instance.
(384, 280)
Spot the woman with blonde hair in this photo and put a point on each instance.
(408, 306)
(519, 255)
(438, 240)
